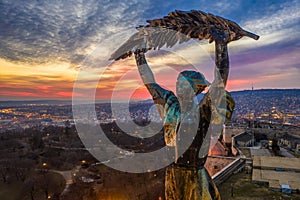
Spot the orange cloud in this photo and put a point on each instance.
(43, 87)
(236, 84)
(19, 94)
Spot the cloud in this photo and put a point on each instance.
(286, 16)
(280, 71)
(45, 31)
(34, 87)
(45, 37)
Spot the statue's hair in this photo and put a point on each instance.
(196, 80)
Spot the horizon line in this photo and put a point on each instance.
(107, 100)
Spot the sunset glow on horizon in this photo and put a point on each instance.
(41, 57)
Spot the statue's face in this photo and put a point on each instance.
(184, 89)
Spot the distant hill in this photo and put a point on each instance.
(256, 101)
(34, 102)
(265, 101)
(262, 93)
(283, 99)
(268, 92)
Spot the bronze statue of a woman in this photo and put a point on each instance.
(187, 178)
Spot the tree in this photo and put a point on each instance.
(29, 188)
(36, 142)
(4, 170)
(22, 168)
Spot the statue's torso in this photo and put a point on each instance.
(187, 128)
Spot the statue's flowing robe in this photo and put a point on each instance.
(189, 184)
(187, 179)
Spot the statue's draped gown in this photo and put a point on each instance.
(186, 178)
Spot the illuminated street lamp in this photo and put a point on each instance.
(84, 164)
(44, 167)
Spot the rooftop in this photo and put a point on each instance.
(267, 162)
(260, 152)
(277, 171)
(244, 137)
(277, 178)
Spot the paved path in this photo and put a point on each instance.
(68, 176)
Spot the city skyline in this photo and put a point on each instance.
(44, 46)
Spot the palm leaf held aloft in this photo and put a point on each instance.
(181, 26)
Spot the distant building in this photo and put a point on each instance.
(264, 144)
(243, 140)
(227, 135)
(289, 142)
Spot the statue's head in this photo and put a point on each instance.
(190, 79)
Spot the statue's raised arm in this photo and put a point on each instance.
(159, 94)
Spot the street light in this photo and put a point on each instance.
(84, 164)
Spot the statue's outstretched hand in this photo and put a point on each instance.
(219, 36)
(139, 55)
(139, 51)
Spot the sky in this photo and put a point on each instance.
(48, 48)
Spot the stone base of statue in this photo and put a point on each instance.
(189, 183)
